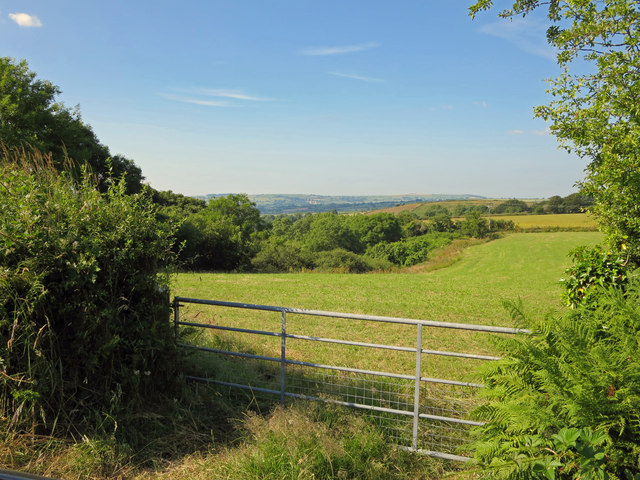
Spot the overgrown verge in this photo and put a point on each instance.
(307, 441)
(84, 307)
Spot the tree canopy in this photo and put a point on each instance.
(32, 119)
(595, 105)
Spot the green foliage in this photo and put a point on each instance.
(30, 118)
(565, 402)
(511, 206)
(574, 203)
(411, 251)
(373, 229)
(592, 269)
(319, 441)
(175, 206)
(595, 114)
(220, 236)
(442, 223)
(474, 226)
(498, 225)
(84, 307)
(343, 261)
(278, 256)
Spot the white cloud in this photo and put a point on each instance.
(196, 101)
(516, 132)
(235, 94)
(546, 131)
(357, 77)
(25, 20)
(340, 49)
(211, 97)
(528, 34)
(482, 104)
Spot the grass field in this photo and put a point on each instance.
(318, 441)
(570, 221)
(526, 266)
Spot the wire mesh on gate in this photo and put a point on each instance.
(432, 419)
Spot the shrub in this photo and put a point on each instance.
(340, 260)
(565, 402)
(411, 251)
(592, 269)
(84, 307)
(474, 225)
(282, 257)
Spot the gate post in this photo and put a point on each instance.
(176, 316)
(416, 394)
(283, 355)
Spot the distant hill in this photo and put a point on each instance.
(279, 203)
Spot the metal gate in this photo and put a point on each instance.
(419, 413)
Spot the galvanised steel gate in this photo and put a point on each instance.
(422, 414)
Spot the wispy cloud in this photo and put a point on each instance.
(357, 77)
(546, 131)
(516, 132)
(196, 101)
(322, 51)
(212, 97)
(528, 34)
(482, 104)
(235, 94)
(25, 20)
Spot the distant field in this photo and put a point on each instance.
(419, 207)
(566, 220)
(523, 265)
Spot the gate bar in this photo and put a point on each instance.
(357, 316)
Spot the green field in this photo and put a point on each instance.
(566, 220)
(525, 266)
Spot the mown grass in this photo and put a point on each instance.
(519, 266)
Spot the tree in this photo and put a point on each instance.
(597, 114)
(474, 226)
(222, 235)
(240, 211)
(31, 119)
(511, 206)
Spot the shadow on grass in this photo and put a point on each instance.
(261, 380)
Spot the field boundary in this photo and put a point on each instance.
(425, 415)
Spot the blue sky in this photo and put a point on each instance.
(298, 96)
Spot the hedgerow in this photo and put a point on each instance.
(84, 304)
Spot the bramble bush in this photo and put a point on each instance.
(84, 305)
(564, 402)
(592, 269)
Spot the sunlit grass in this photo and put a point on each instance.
(560, 221)
(519, 266)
